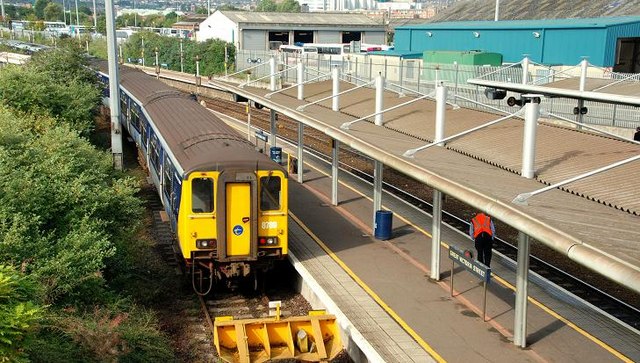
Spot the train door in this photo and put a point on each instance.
(238, 219)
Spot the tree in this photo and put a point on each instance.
(84, 9)
(25, 13)
(39, 7)
(228, 7)
(53, 12)
(266, 6)
(73, 98)
(289, 6)
(127, 19)
(170, 19)
(153, 20)
(102, 24)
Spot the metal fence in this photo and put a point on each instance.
(412, 76)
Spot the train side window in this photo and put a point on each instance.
(144, 131)
(135, 119)
(167, 180)
(124, 107)
(202, 195)
(270, 187)
(154, 153)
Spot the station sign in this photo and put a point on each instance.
(261, 135)
(476, 268)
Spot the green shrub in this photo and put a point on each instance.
(17, 314)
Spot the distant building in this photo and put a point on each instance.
(607, 42)
(263, 31)
(191, 26)
(339, 5)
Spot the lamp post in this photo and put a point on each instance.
(95, 18)
(77, 16)
(181, 58)
(157, 64)
(114, 86)
(197, 66)
(142, 50)
(197, 74)
(64, 12)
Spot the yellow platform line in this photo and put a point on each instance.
(369, 291)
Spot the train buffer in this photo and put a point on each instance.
(311, 338)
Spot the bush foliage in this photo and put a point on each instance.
(211, 53)
(70, 246)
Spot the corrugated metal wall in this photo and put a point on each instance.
(373, 37)
(254, 39)
(327, 36)
(512, 43)
(402, 39)
(568, 46)
(613, 34)
(553, 46)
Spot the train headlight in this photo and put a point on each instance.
(268, 241)
(205, 243)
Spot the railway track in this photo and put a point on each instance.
(599, 293)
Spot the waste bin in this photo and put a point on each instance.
(383, 226)
(276, 154)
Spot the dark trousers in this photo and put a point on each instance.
(484, 243)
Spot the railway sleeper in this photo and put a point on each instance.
(311, 338)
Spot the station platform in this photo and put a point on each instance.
(383, 287)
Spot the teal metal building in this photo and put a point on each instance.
(607, 42)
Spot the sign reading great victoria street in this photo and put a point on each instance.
(477, 268)
(260, 135)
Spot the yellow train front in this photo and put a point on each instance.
(232, 223)
(226, 202)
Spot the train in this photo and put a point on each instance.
(226, 202)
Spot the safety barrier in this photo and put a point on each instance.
(311, 338)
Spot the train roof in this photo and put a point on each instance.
(198, 139)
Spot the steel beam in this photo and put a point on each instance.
(522, 291)
(435, 235)
(531, 114)
(377, 190)
(335, 147)
(274, 130)
(300, 152)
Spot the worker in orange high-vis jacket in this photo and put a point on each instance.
(482, 231)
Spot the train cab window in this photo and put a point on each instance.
(202, 195)
(270, 193)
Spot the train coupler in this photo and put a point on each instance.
(236, 269)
